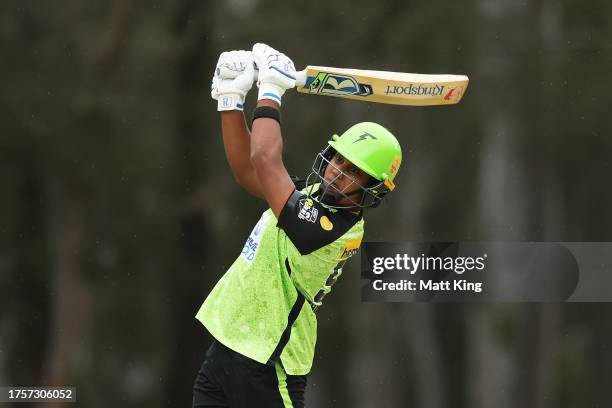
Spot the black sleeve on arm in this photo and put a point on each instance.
(311, 226)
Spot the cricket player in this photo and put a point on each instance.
(262, 311)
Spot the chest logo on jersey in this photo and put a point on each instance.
(326, 224)
(252, 243)
(307, 210)
(350, 248)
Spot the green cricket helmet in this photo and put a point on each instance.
(371, 148)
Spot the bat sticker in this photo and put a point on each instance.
(334, 84)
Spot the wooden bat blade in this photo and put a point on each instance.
(383, 86)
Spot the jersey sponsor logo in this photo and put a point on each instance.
(350, 248)
(252, 243)
(326, 224)
(307, 210)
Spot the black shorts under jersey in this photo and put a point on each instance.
(230, 380)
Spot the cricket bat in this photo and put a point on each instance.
(394, 88)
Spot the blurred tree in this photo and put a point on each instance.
(119, 212)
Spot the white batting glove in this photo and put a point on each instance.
(276, 72)
(232, 80)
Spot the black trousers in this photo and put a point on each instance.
(230, 380)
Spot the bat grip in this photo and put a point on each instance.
(300, 77)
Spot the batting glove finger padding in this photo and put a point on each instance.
(276, 72)
(233, 78)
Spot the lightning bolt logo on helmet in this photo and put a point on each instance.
(364, 136)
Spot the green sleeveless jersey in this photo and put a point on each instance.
(263, 306)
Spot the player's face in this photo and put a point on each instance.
(345, 178)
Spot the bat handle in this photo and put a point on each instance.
(300, 77)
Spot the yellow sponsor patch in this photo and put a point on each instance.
(352, 244)
(351, 247)
(390, 185)
(326, 224)
(394, 166)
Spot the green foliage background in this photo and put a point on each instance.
(119, 212)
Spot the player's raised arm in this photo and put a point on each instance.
(232, 80)
(276, 74)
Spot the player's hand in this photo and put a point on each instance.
(276, 72)
(232, 80)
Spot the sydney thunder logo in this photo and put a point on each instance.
(334, 84)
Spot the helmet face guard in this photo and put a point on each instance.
(369, 196)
